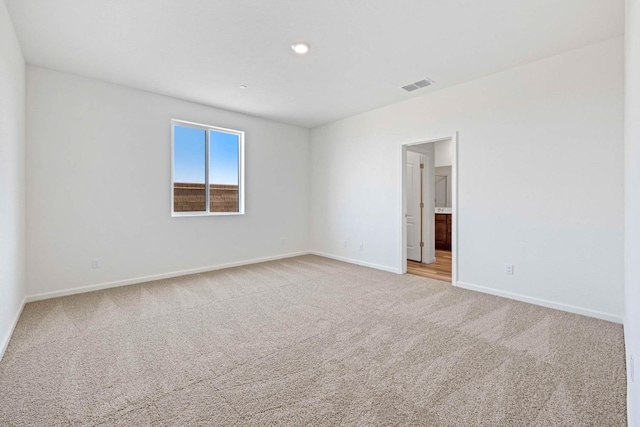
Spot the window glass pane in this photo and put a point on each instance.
(223, 171)
(189, 155)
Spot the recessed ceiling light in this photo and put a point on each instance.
(243, 86)
(300, 47)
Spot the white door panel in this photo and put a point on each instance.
(413, 206)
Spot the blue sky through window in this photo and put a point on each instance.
(223, 163)
(189, 156)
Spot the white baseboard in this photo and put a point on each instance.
(542, 302)
(5, 340)
(357, 262)
(429, 261)
(126, 282)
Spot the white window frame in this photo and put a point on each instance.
(207, 128)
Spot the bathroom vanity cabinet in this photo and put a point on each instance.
(443, 231)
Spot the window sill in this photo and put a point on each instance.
(189, 214)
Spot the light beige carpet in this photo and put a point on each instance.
(308, 341)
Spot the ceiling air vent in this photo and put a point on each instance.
(417, 85)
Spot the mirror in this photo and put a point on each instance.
(443, 187)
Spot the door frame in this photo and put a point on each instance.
(402, 202)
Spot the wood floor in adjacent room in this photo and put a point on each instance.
(308, 341)
(440, 270)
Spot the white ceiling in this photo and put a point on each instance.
(362, 51)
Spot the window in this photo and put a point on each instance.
(206, 157)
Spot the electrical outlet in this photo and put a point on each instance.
(96, 263)
(361, 247)
(508, 269)
(632, 369)
(344, 244)
(282, 240)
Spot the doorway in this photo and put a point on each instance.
(428, 213)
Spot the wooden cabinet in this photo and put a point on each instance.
(443, 232)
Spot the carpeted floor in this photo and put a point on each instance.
(308, 341)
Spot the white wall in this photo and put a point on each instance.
(540, 179)
(443, 153)
(98, 173)
(632, 206)
(443, 161)
(429, 197)
(12, 178)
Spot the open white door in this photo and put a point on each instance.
(414, 230)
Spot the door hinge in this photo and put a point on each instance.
(421, 165)
(421, 205)
(422, 244)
